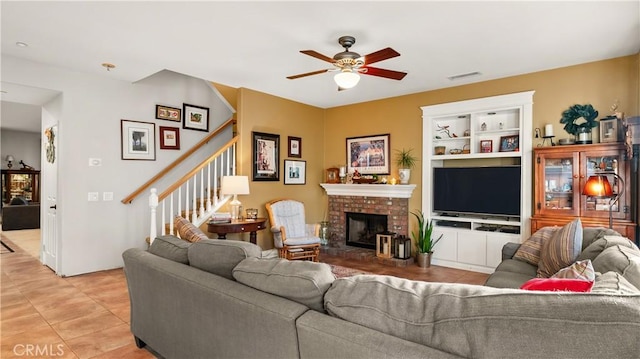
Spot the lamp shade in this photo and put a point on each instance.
(10, 158)
(598, 186)
(234, 185)
(346, 79)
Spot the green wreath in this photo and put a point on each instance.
(575, 112)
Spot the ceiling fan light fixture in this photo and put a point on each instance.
(346, 79)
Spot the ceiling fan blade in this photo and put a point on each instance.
(318, 55)
(390, 74)
(307, 74)
(380, 55)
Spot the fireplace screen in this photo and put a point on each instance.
(363, 227)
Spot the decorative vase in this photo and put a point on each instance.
(405, 174)
(424, 259)
(324, 233)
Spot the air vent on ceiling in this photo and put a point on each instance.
(460, 76)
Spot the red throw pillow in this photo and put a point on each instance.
(558, 284)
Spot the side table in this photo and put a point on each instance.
(237, 226)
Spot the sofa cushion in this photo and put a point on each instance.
(482, 322)
(188, 231)
(620, 259)
(600, 244)
(529, 250)
(614, 284)
(517, 266)
(582, 270)
(171, 247)
(558, 285)
(504, 279)
(220, 257)
(561, 249)
(592, 234)
(301, 281)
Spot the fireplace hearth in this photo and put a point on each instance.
(362, 229)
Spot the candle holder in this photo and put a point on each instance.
(550, 138)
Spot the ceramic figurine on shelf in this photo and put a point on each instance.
(483, 127)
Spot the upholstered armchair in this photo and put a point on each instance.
(294, 238)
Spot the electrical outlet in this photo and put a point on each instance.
(93, 197)
(107, 196)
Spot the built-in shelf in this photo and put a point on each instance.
(369, 190)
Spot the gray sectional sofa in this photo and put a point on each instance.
(220, 299)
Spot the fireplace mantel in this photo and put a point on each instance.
(369, 190)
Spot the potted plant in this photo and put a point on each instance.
(405, 161)
(424, 242)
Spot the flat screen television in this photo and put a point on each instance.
(493, 191)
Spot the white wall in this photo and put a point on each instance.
(21, 145)
(93, 235)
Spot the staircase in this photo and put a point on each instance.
(195, 195)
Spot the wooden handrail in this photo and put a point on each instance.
(175, 163)
(195, 170)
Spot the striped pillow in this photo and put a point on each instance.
(187, 231)
(561, 250)
(529, 251)
(582, 270)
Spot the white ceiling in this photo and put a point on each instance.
(256, 44)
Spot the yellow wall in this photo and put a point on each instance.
(324, 131)
(262, 112)
(598, 83)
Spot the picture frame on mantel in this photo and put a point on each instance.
(369, 154)
(266, 156)
(195, 117)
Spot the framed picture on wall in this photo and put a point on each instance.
(368, 155)
(295, 147)
(195, 117)
(609, 130)
(168, 113)
(169, 138)
(266, 156)
(295, 172)
(138, 140)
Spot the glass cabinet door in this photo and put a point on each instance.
(559, 192)
(609, 164)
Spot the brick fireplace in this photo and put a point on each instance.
(389, 200)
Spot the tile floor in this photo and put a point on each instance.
(87, 316)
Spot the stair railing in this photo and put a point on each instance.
(195, 195)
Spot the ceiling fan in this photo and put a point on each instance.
(351, 64)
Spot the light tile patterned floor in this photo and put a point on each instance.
(87, 316)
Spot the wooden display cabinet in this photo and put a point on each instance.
(560, 175)
(21, 183)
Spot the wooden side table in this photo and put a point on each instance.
(238, 226)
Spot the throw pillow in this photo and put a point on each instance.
(599, 245)
(187, 231)
(558, 285)
(171, 247)
(613, 283)
(582, 270)
(529, 251)
(620, 259)
(561, 250)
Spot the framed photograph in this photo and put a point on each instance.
(169, 138)
(295, 147)
(609, 130)
(486, 146)
(510, 143)
(295, 172)
(195, 117)
(266, 156)
(138, 140)
(168, 113)
(368, 155)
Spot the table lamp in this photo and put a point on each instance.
(235, 185)
(599, 186)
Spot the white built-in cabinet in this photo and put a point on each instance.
(470, 123)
